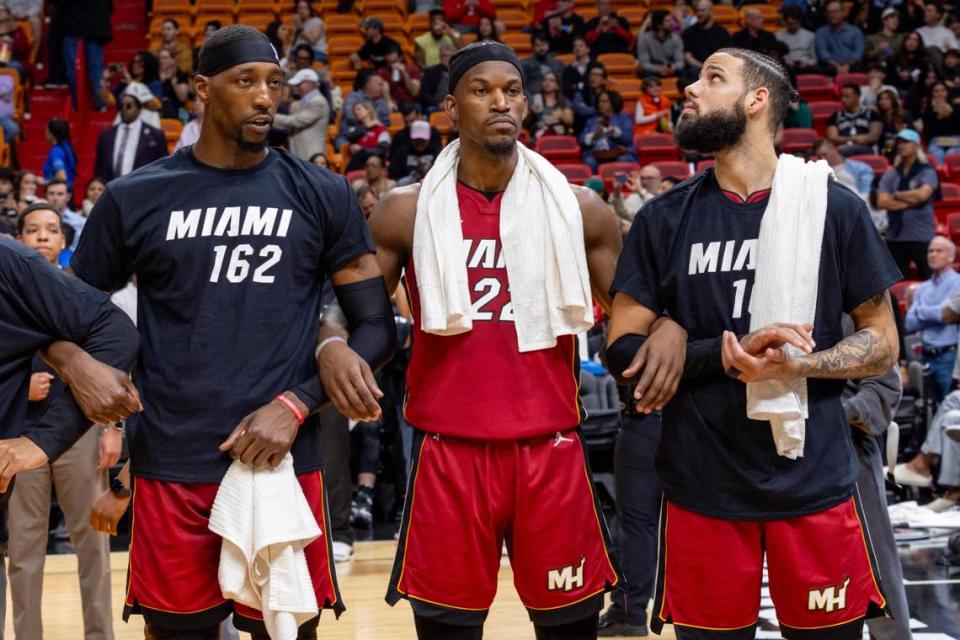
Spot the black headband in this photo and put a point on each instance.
(255, 48)
(483, 51)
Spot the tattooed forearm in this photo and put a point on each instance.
(865, 353)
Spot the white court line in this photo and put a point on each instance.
(910, 583)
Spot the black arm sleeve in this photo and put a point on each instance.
(620, 354)
(113, 340)
(704, 358)
(373, 331)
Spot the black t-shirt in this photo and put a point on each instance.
(701, 43)
(377, 52)
(230, 267)
(691, 253)
(856, 123)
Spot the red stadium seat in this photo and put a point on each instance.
(609, 170)
(674, 169)
(859, 79)
(952, 162)
(559, 149)
(798, 140)
(576, 173)
(356, 174)
(950, 191)
(953, 226)
(814, 87)
(879, 164)
(899, 289)
(821, 112)
(654, 147)
(705, 164)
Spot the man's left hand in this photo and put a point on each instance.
(772, 363)
(108, 452)
(16, 455)
(265, 436)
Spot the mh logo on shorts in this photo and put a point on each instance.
(566, 578)
(828, 599)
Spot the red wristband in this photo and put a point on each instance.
(293, 408)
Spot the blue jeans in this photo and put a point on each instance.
(94, 54)
(941, 370)
(10, 128)
(939, 152)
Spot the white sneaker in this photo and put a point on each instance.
(940, 505)
(342, 552)
(953, 431)
(907, 476)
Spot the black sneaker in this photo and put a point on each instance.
(612, 625)
(361, 511)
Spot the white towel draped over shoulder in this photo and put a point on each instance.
(541, 230)
(265, 522)
(785, 287)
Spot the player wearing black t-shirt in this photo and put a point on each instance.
(730, 498)
(230, 242)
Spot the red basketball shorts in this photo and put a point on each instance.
(174, 557)
(467, 497)
(821, 570)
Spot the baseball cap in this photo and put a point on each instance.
(139, 92)
(304, 75)
(889, 11)
(420, 130)
(372, 23)
(595, 184)
(909, 135)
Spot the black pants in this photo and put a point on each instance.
(905, 252)
(335, 440)
(638, 507)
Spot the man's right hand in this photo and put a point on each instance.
(106, 512)
(105, 395)
(349, 382)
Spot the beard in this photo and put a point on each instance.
(500, 148)
(713, 132)
(250, 146)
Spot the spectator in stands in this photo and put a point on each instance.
(28, 10)
(854, 129)
(302, 11)
(301, 57)
(926, 315)
(653, 109)
(465, 15)
(798, 115)
(210, 26)
(893, 119)
(191, 131)
(941, 123)
(640, 187)
(607, 136)
(486, 29)
(61, 162)
(876, 82)
(314, 35)
(934, 34)
(309, 116)
(150, 104)
(910, 64)
(374, 177)
(550, 114)
(801, 54)
(368, 87)
(855, 175)
(128, 145)
(427, 45)
(12, 36)
(561, 25)
(320, 159)
(417, 142)
(753, 36)
(419, 173)
(367, 199)
(938, 447)
(87, 21)
(907, 191)
(951, 69)
(884, 44)
(94, 190)
(58, 193)
(433, 86)
(576, 73)
(143, 68)
(8, 121)
(25, 188)
(538, 64)
(839, 44)
(659, 50)
(369, 136)
(701, 40)
(608, 32)
(543, 9)
(403, 78)
(373, 53)
(170, 34)
(585, 101)
(281, 37)
(174, 86)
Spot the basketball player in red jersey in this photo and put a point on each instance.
(498, 456)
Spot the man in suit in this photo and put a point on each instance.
(128, 145)
(308, 118)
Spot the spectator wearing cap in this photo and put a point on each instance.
(403, 78)
(314, 35)
(416, 143)
(373, 53)
(170, 40)
(374, 177)
(801, 54)
(882, 45)
(131, 143)
(465, 15)
(907, 191)
(309, 116)
(608, 32)
(702, 39)
(538, 64)
(839, 43)
(934, 34)
(435, 82)
(427, 45)
(753, 36)
(659, 50)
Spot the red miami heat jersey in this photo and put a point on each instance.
(477, 384)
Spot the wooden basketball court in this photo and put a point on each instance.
(363, 582)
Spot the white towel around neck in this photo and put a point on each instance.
(541, 231)
(785, 287)
(265, 522)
